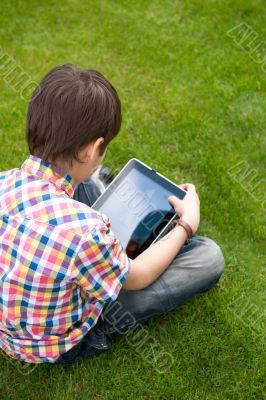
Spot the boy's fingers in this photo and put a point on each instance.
(187, 186)
(174, 201)
(172, 198)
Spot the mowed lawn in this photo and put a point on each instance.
(194, 108)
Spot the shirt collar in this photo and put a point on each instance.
(43, 169)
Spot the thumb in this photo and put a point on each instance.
(173, 200)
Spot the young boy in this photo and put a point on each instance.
(67, 287)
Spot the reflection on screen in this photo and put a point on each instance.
(137, 209)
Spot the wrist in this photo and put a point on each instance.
(181, 232)
(186, 225)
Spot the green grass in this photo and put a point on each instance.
(193, 107)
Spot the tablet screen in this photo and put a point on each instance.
(137, 206)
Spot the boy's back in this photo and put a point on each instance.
(59, 263)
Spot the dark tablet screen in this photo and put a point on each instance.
(137, 206)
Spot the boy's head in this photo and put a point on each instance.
(71, 113)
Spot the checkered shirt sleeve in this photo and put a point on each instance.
(101, 265)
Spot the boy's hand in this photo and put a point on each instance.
(189, 208)
(148, 265)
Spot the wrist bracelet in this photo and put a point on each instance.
(186, 226)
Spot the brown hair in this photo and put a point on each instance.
(70, 108)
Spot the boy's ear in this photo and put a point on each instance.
(92, 149)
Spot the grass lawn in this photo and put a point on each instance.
(194, 102)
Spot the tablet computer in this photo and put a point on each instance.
(136, 203)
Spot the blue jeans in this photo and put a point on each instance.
(195, 269)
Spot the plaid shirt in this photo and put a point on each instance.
(59, 263)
